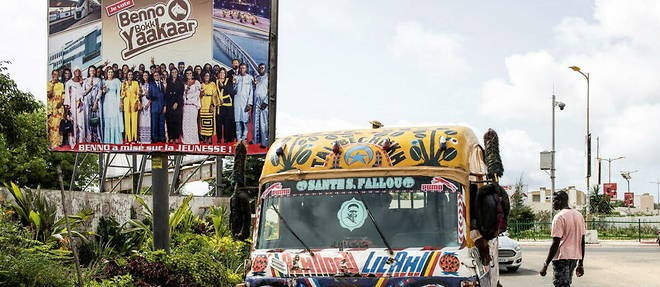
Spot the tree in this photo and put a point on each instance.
(599, 203)
(24, 155)
(519, 211)
(14, 102)
(253, 167)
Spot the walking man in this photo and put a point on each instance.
(567, 250)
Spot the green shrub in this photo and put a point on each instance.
(32, 269)
(117, 281)
(209, 261)
(194, 260)
(28, 262)
(144, 272)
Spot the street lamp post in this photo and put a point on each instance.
(626, 175)
(561, 106)
(588, 139)
(609, 166)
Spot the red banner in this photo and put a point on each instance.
(628, 198)
(117, 7)
(609, 189)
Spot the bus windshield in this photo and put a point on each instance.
(340, 219)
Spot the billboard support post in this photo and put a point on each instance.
(160, 201)
(101, 171)
(218, 175)
(135, 174)
(272, 71)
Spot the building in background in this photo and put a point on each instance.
(540, 200)
(81, 52)
(644, 201)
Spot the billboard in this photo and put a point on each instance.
(173, 76)
(609, 189)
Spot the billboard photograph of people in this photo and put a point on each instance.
(240, 41)
(156, 84)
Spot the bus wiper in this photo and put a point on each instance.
(286, 224)
(380, 233)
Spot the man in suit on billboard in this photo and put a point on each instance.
(158, 108)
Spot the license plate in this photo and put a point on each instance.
(501, 260)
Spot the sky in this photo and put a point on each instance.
(484, 64)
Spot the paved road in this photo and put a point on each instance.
(604, 266)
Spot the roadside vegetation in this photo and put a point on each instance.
(524, 223)
(34, 247)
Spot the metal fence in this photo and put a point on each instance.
(613, 230)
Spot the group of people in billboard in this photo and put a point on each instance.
(241, 16)
(164, 104)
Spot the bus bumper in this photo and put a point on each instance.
(362, 282)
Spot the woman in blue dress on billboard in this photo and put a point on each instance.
(113, 125)
(92, 97)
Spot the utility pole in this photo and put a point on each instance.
(561, 106)
(598, 156)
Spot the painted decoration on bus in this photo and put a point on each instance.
(376, 148)
(359, 185)
(173, 76)
(352, 214)
(372, 263)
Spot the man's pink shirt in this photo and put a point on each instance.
(568, 225)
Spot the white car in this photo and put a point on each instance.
(509, 253)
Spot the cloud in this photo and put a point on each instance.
(637, 20)
(635, 133)
(520, 156)
(25, 20)
(291, 124)
(620, 51)
(436, 52)
(527, 90)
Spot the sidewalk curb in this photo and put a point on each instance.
(602, 243)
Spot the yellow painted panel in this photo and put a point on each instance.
(385, 148)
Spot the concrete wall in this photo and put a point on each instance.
(120, 206)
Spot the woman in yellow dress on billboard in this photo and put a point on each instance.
(209, 100)
(55, 106)
(130, 103)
